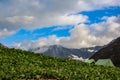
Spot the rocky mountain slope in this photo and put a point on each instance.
(62, 52)
(1, 45)
(111, 51)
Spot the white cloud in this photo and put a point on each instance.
(52, 41)
(89, 35)
(31, 14)
(83, 35)
(21, 19)
(95, 4)
(5, 32)
(27, 44)
(80, 37)
(72, 19)
(41, 13)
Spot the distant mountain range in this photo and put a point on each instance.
(1, 45)
(62, 52)
(112, 51)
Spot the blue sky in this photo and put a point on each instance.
(95, 16)
(20, 24)
(24, 34)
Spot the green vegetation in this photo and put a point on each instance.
(18, 64)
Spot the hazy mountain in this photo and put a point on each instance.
(1, 45)
(112, 51)
(62, 52)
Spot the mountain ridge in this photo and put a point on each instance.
(1, 45)
(63, 52)
(112, 51)
(19, 64)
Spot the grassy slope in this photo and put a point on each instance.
(18, 64)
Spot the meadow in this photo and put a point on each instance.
(18, 64)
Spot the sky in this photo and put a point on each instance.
(70, 23)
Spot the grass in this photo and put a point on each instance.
(17, 64)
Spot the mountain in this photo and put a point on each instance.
(16, 64)
(112, 51)
(1, 45)
(62, 52)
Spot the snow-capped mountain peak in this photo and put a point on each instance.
(62, 52)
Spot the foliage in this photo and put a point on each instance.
(18, 64)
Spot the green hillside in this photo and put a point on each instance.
(18, 64)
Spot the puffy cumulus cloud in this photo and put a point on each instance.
(27, 22)
(16, 14)
(5, 32)
(27, 44)
(53, 39)
(66, 20)
(109, 28)
(93, 35)
(95, 4)
(80, 37)
(72, 19)
(83, 35)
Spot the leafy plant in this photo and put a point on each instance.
(19, 64)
